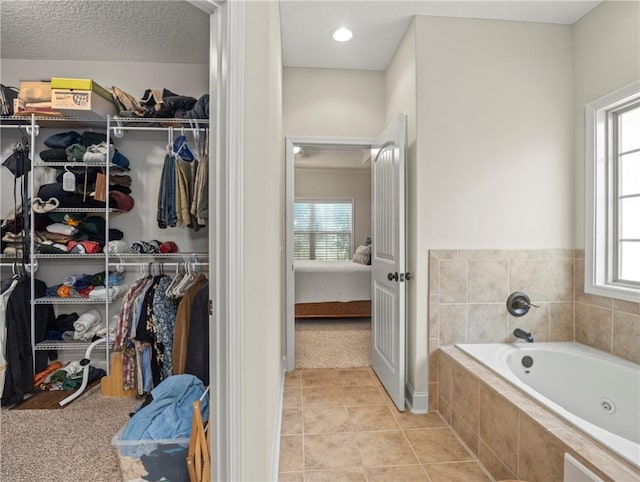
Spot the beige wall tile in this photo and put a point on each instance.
(540, 454)
(488, 280)
(487, 323)
(536, 321)
(466, 433)
(433, 397)
(626, 336)
(465, 396)
(434, 316)
(453, 324)
(522, 253)
(530, 276)
(498, 426)
(453, 281)
(561, 280)
(434, 274)
(433, 360)
(580, 296)
(444, 409)
(594, 326)
(493, 464)
(558, 253)
(578, 253)
(626, 306)
(561, 321)
(445, 253)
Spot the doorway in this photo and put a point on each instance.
(314, 162)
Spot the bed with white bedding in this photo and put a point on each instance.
(332, 289)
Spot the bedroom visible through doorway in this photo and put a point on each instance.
(330, 190)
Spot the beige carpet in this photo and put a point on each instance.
(70, 445)
(333, 343)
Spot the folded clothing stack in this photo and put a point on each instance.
(83, 285)
(154, 247)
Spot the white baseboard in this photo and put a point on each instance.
(418, 402)
(275, 454)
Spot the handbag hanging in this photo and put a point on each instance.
(18, 162)
(7, 95)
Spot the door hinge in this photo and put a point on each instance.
(210, 307)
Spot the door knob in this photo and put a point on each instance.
(408, 276)
(392, 276)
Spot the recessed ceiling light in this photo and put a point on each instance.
(342, 35)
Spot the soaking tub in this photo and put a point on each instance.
(593, 390)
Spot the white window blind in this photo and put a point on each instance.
(322, 229)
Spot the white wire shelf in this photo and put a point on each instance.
(85, 210)
(51, 121)
(115, 256)
(99, 256)
(71, 300)
(68, 345)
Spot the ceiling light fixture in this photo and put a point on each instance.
(342, 35)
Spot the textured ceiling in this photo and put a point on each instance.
(161, 31)
(378, 26)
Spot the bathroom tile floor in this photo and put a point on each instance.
(340, 425)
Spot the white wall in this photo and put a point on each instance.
(606, 57)
(263, 237)
(401, 97)
(495, 120)
(340, 183)
(333, 102)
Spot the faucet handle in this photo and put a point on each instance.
(519, 304)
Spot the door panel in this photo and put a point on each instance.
(388, 259)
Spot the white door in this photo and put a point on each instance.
(388, 259)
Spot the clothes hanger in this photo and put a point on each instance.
(187, 281)
(174, 283)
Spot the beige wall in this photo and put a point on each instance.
(263, 234)
(606, 57)
(340, 183)
(400, 97)
(495, 120)
(333, 102)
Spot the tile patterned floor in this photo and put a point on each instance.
(340, 425)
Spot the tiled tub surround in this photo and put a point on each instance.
(510, 433)
(468, 290)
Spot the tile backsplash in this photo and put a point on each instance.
(468, 290)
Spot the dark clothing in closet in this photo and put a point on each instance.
(198, 347)
(19, 376)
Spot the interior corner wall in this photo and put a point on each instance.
(263, 205)
(495, 117)
(606, 57)
(333, 102)
(400, 97)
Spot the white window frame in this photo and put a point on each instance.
(601, 197)
(351, 201)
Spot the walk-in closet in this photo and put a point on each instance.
(106, 191)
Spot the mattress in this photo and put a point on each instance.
(321, 281)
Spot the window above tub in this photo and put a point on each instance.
(612, 245)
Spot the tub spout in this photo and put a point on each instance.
(520, 333)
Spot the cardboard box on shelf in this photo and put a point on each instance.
(81, 103)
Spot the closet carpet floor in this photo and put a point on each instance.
(340, 425)
(68, 445)
(333, 343)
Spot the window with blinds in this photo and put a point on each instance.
(322, 229)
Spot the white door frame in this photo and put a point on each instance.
(291, 141)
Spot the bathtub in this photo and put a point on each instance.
(593, 390)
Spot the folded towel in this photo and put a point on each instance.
(114, 292)
(115, 247)
(86, 321)
(60, 228)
